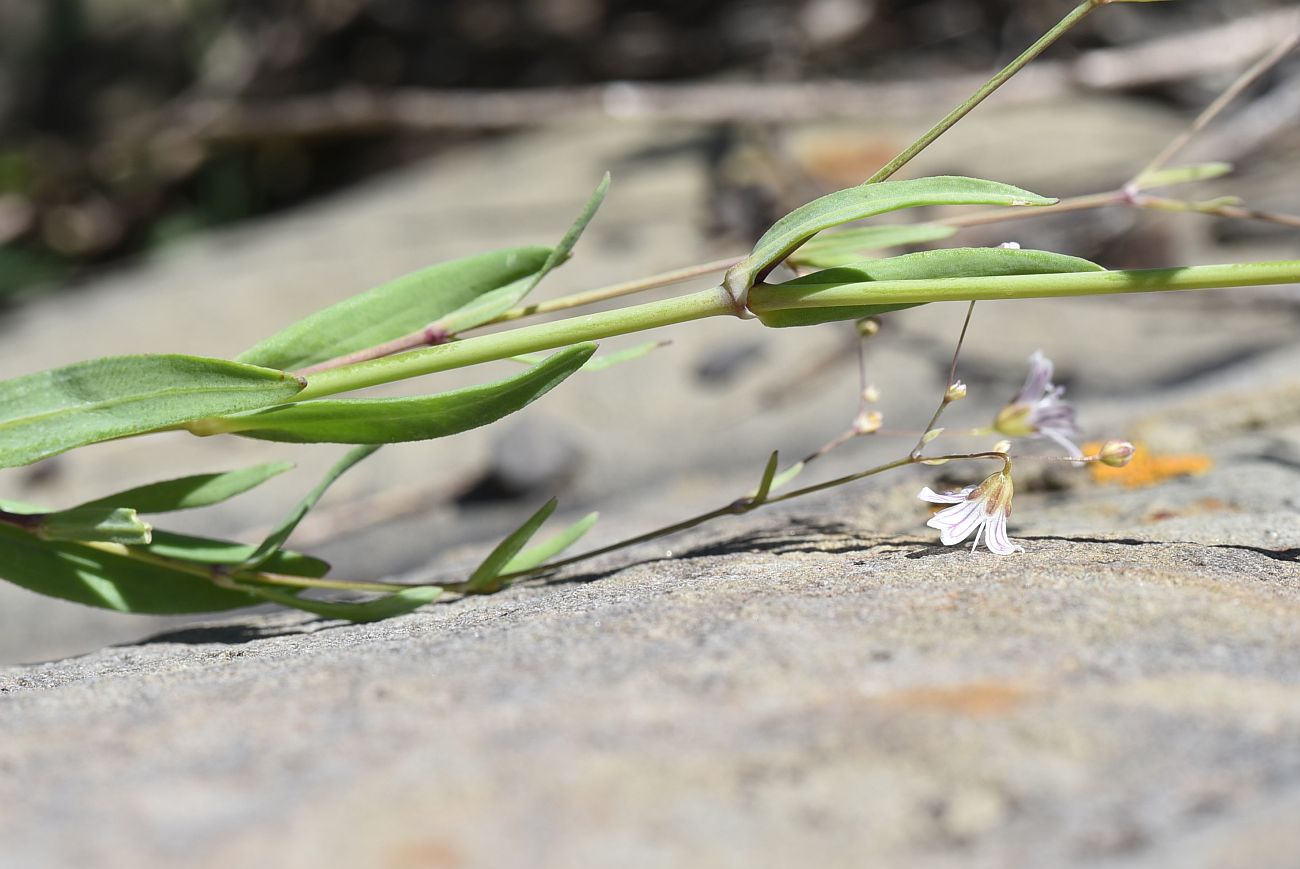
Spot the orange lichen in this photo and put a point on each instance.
(1146, 468)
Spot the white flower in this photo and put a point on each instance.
(1038, 409)
(982, 509)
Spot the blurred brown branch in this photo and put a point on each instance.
(1192, 53)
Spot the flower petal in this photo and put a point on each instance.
(1038, 381)
(928, 494)
(960, 521)
(995, 536)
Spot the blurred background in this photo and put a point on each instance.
(191, 175)
(130, 124)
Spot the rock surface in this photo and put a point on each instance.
(821, 684)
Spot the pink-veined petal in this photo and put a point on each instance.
(928, 494)
(1038, 381)
(956, 523)
(995, 536)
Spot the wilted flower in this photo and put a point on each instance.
(982, 509)
(1038, 409)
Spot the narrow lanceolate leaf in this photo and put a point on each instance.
(488, 306)
(95, 524)
(224, 553)
(276, 538)
(486, 579)
(927, 265)
(394, 309)
(49, 412)
(392, 420)
(108, 579)
(866, 200)
(390, 605)
(765, 484)
(186, 493)
(543, 552)
(848, 246)
(604, 360)
(1182, 175)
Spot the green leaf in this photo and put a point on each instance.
(865, 200)
(1182, 175)
(488, 306)
(485, 580)
(186, 493)
(202, 550)
(99, 578)
(49, 412)
(392, 420)
(394, 309)
(551, 546)
(765, 484)
(276, 538)
(786, 476)
(95, 524)
(847, 246)
(926, 265)
(395, 604)
(604, 360)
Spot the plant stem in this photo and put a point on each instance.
(615, 291)
(767, 297)
(1074, 17)
(712, 302)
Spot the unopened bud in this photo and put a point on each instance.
(1014, 420)
(871, 395)
(1002, 447)
(868, 326)
(956, 391)
(1116, 454)
(868, 421)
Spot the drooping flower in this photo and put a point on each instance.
(981, 509)
(1039, 411)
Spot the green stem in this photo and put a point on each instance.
(1076, 15)
(768, 297)
(712, 302)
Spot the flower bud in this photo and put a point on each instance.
(956, 391)
(868, 326)
(1116, 454)
(871, 395)
(1015, 420)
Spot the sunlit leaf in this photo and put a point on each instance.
(392, 420)
(786, 476)
(866, 200)
(186, 493)
(202, 550)
(394, 309)
(276, 538)
(551, 546)
(847, 246)
(765, 484)
(46, 413)
(386, 607)
(108, 579)
(95, 524)
(1182, 175)
(603, 360)
(486, 579)
(488, 306)
(926, 265)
